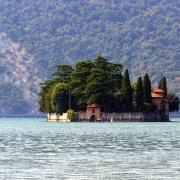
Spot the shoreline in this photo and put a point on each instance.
(23, 116)
(45, 116)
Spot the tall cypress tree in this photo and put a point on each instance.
(139, 95)
(127, 92)
(163, 85)
(147, 89)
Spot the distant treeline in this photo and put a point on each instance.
(99, 81)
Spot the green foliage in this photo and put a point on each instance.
(105, 79)
(70, 113)
(127, 92)
(97, 81)
(41, 101)
(63, 73)
(118, 102)
(147, 89)
(173, 102)
(147, 107)
(139, 94)
(48, 106)
(89, 82)
(78, 82)
(163, 85)
(60, 98)
(115, 75)
(45, 96)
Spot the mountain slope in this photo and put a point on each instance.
(154, 45)
(19, 78)
(142, 34)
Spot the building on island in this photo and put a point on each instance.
(54, 117)
(162, 105)
(94, 113)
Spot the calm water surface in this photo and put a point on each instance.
(35, 149)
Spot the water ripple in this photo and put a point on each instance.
(35, 149)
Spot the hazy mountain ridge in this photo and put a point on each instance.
(19, 72)
(142, 34)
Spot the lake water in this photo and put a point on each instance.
(36, 149)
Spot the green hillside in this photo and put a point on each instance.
(142, 34)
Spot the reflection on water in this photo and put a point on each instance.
(35, 149)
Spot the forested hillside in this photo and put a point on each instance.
(142, 34)
(19, 79)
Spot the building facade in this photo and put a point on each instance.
(162, 105)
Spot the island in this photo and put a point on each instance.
(100, 90)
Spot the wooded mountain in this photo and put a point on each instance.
(19, 79)
(142, 34)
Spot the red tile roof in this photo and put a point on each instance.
(93, 106)
(155, 95)
(158, 91)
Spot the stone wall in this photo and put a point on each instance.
(58, 118)
(134, 117)
(112, 117)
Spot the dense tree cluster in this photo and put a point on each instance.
(98, 81)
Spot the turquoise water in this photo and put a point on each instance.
(36, 149)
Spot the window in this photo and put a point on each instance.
(93, 110)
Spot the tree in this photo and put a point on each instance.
(139, 94)
(60, 98)
(173, 102)
(63, 72)
(42, 99)
(89, 82)
(118, 102)
(115, 75)
(101, 82)
(147, 89)
(127, 92)
(97, 88)
(163, 85)
(78, 83)
(95, 81)
(45, 96)
(48, 106)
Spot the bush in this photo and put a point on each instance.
(59, 98)
(70, 113)
(173, 102)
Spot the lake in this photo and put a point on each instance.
(36, 149)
